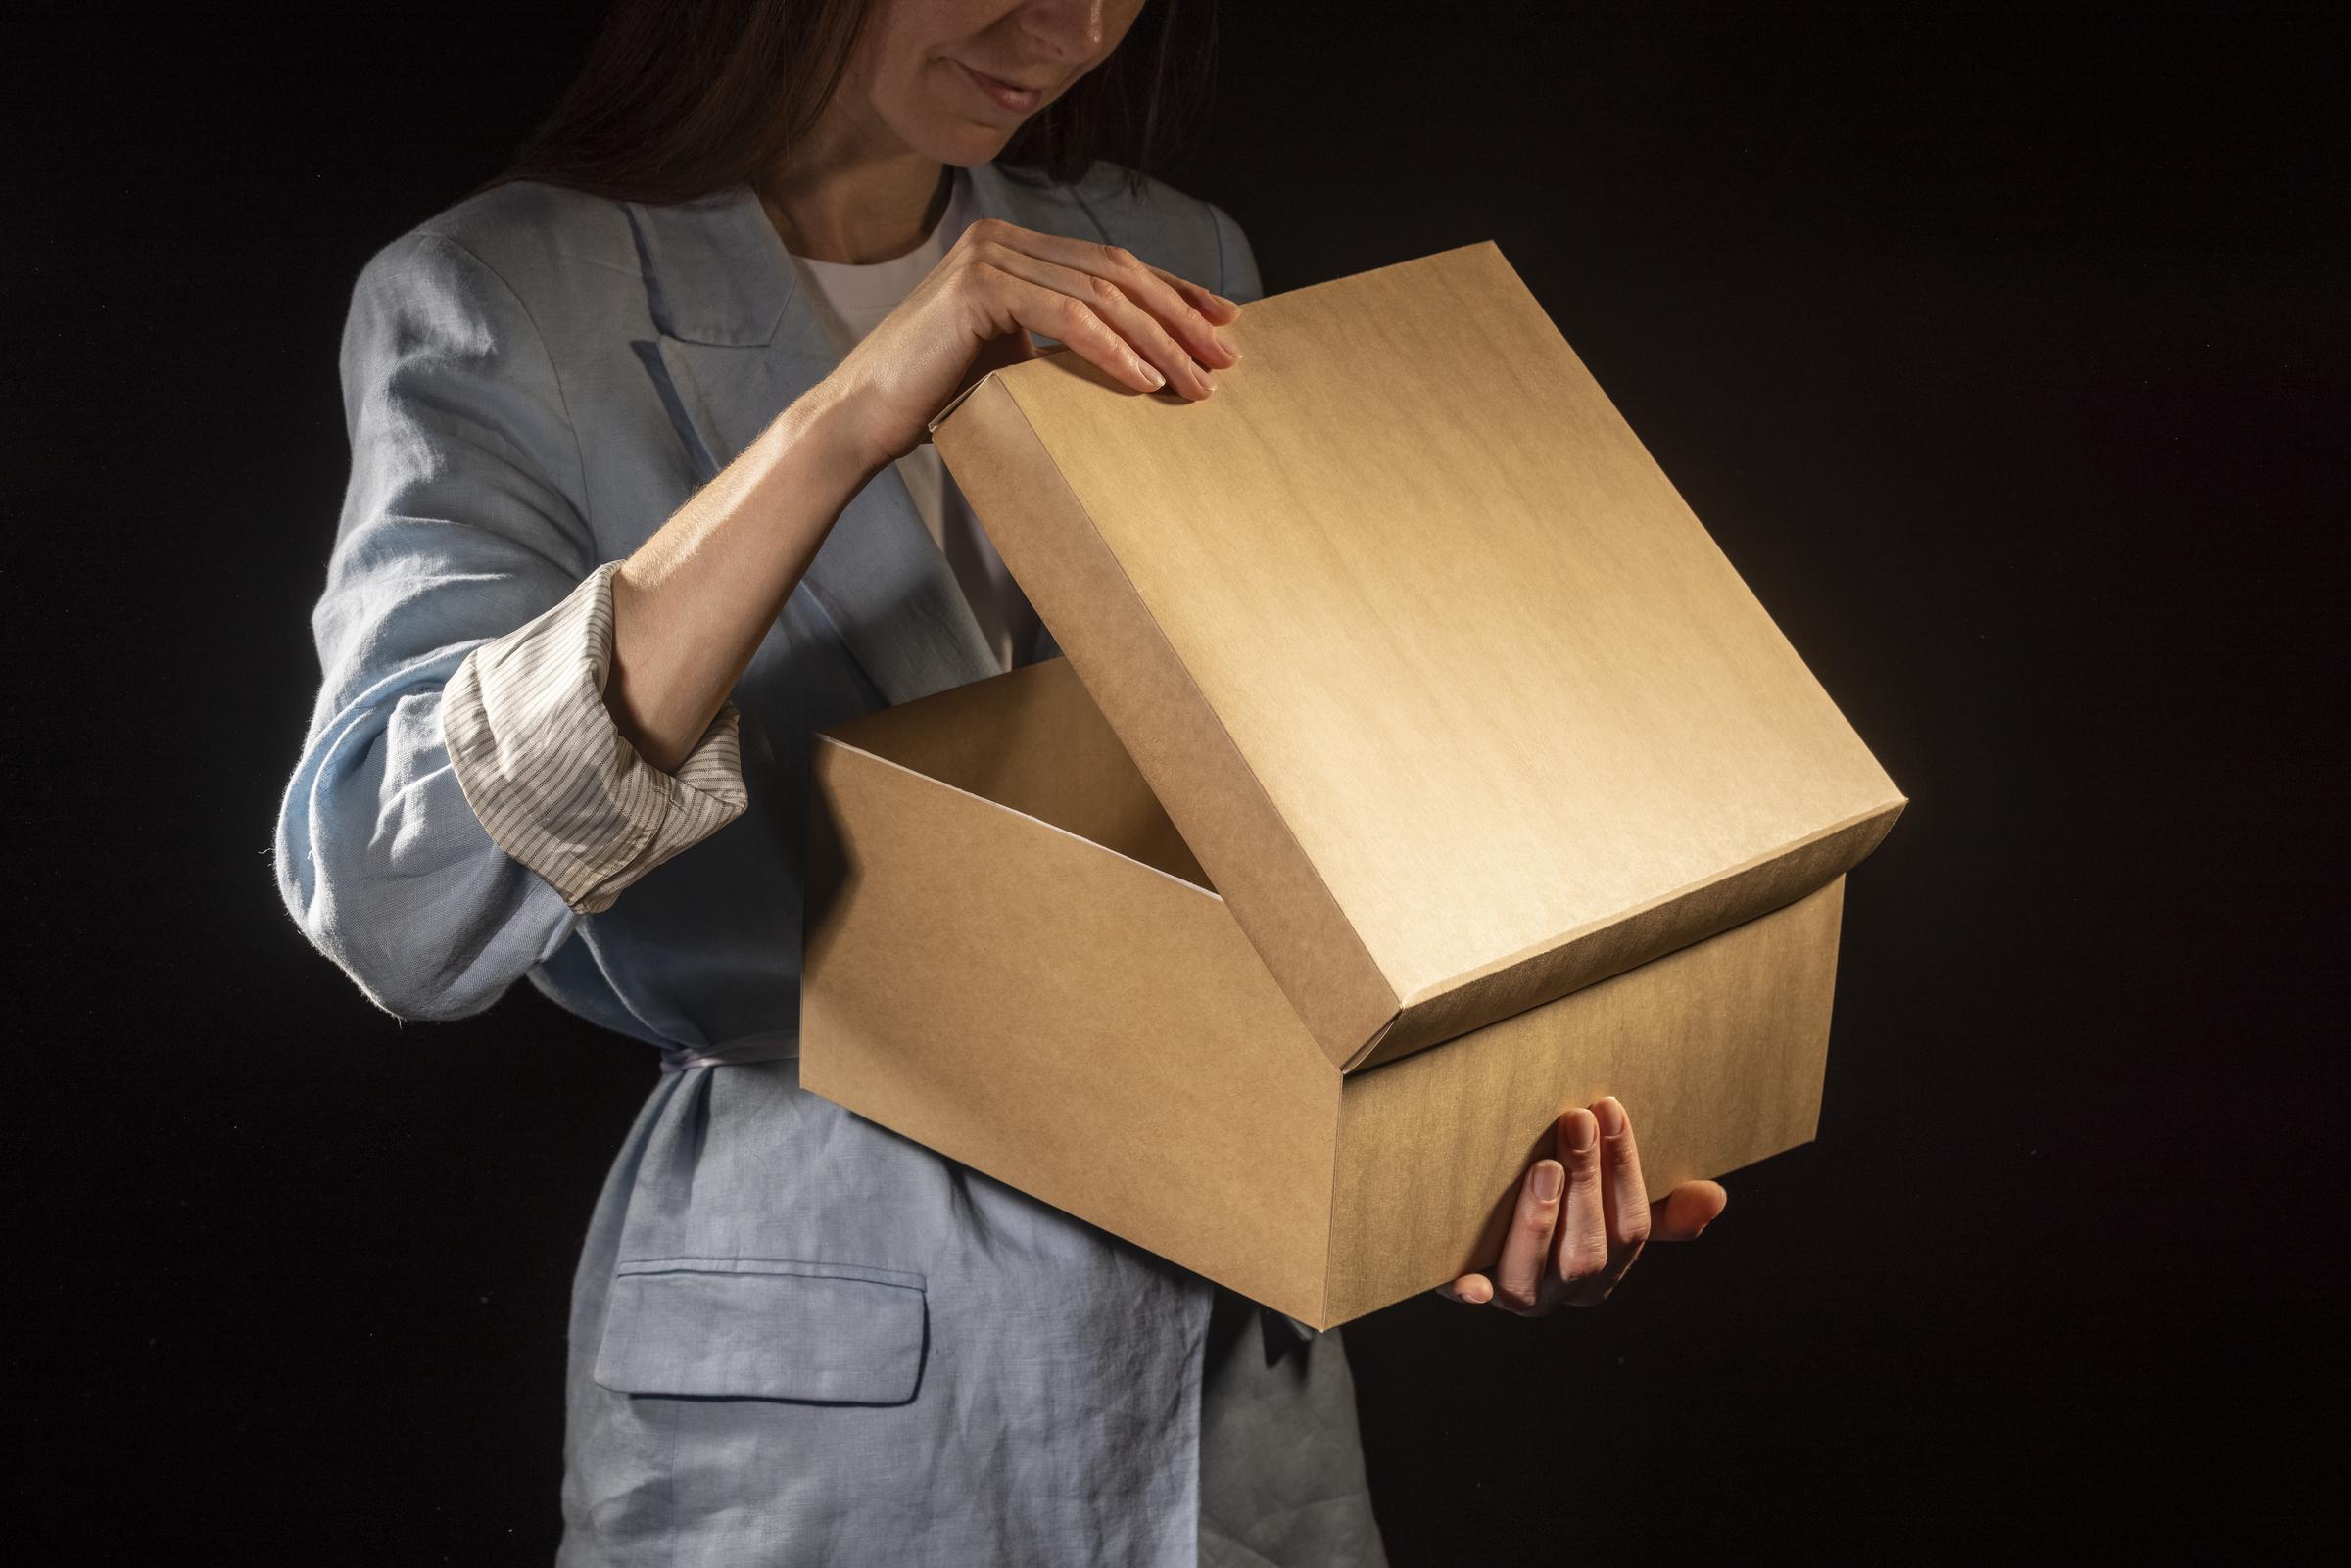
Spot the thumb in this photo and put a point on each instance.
(994, 354)
(1686, 1211)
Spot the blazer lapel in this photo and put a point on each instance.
(738, 339)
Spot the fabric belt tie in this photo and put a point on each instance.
(773, 1046)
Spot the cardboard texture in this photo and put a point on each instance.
(1419, 768)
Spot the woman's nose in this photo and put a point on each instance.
(1069, 31)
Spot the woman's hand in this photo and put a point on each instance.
(1571, 1247)
(1146, 327)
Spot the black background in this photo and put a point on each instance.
(2000, 348)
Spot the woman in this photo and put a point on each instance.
(639, 499)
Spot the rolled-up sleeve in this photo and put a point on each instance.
(549, 773)
(464, 599)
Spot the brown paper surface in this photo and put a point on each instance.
(1456, 702)
(1052, 1011)
(1053, 1008)
(1717, 1050)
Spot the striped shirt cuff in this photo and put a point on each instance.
(552, 780)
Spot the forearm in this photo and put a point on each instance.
(690, 606)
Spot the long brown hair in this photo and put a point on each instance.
(678, 99)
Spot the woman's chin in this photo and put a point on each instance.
(958, 139)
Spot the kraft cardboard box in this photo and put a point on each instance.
(1418, 767)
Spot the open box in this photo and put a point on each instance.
(1419, 768)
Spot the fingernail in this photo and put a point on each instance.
(1612, 1116)
(1226, 343)
(1230, 304)
(1549, 1178)
(1151, 373)
(1582, 1131)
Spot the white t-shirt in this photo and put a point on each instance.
(856, 299)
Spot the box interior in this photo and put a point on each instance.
(1032, 742)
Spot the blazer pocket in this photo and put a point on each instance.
(763, 1329)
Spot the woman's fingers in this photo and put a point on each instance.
(1119, 310)
(1180, 311)
(1215, 306)
(1626, 1201)
(1070, 320)
(1115, 309)
(1591, 1206)
(1518, 1282)
(1582, 1249)
(1142, 326)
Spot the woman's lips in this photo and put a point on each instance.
(1003, 94)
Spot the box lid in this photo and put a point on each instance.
(1457, 703)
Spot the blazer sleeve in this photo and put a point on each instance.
(1236, 261)
(463, 604)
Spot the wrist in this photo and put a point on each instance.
(826, 422)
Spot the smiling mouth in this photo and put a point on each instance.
(1005, 94)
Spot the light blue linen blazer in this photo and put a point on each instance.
(795, 1336)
